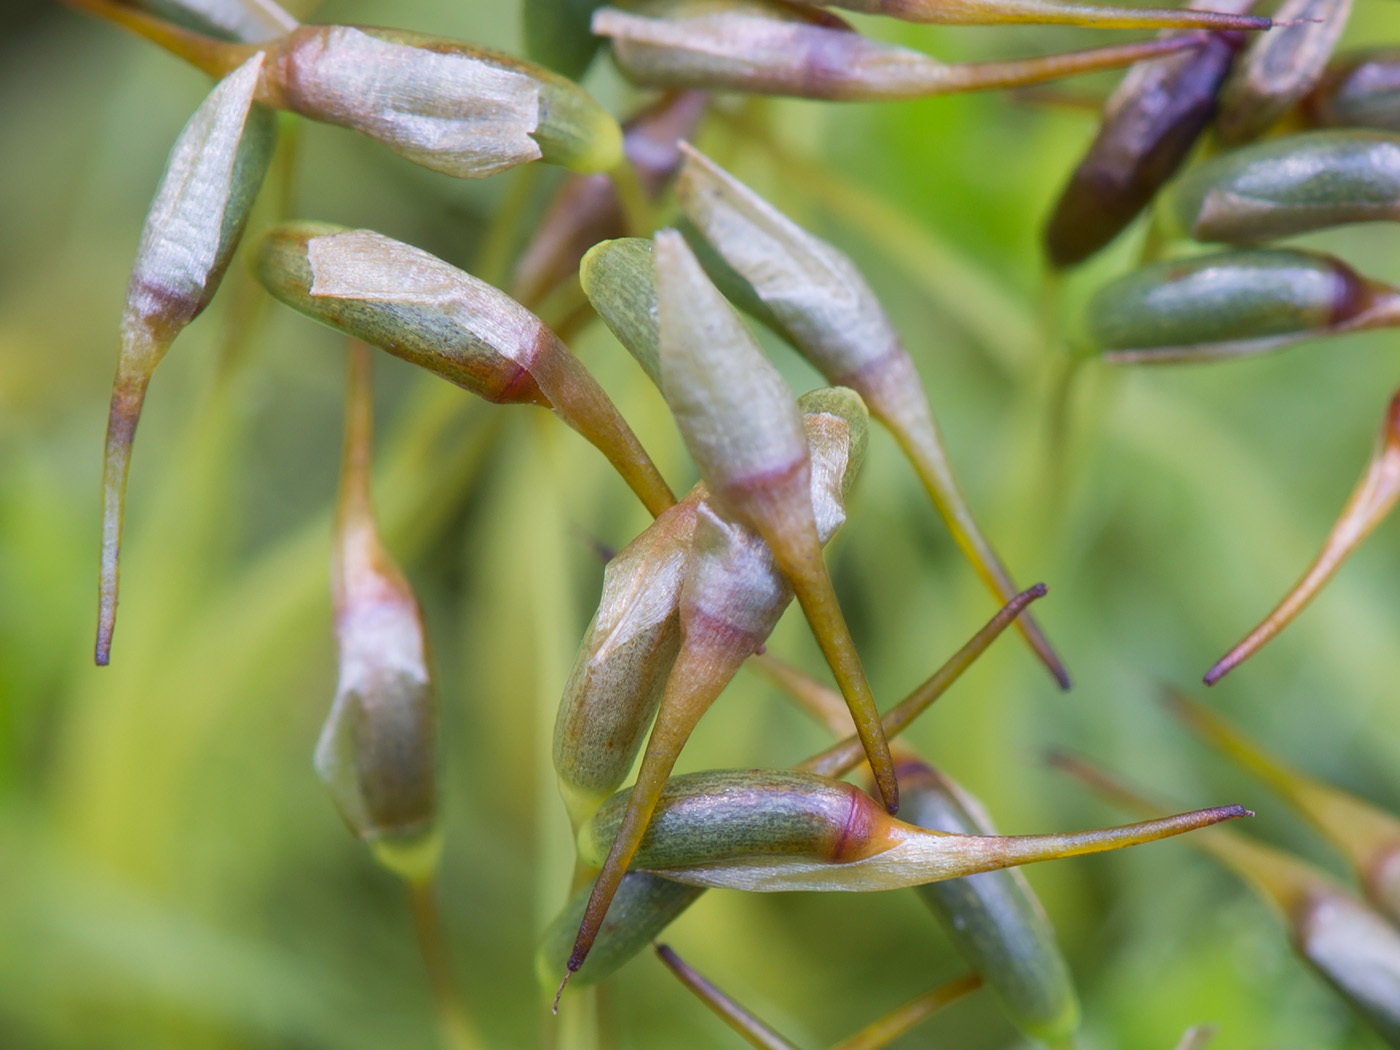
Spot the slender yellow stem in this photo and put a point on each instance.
(458, 1031)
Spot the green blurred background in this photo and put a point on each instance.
(172, 874)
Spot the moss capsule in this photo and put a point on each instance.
(1359, 89)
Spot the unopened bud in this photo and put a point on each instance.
(1150, 123)
(417, 307)
(244, 21)
(1280, 67)
(194, 224)
(1232, 304)
(1358, 90)
(1286, 186)
(378, 750)
(778, 830)
(761, 47)
(814, 296)
(993, 919)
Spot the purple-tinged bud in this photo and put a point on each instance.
(195, 222)
(1360, 89)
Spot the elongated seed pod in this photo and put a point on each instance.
(1367, 835)
(1371, 501)
(1232, 304)
(642, 908)
(1360, 89)
(768, 48)
(245, 21)
(1280, 67)
(1049, 12)
(1150, 123)
(194, 224)
(417, 307)
(1286, 186)
(378, 749)
(449, 106)
(730, 600)
(779, 830)
(994, 919)
(1351, 946)
(758, 1034)
(587, 208)
(824, 307)
(746, 437)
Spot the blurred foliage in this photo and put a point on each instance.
(171, 871)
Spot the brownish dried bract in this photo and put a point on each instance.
(195, 222)
(587, 209)
(774, 49)
(378, 750)
(1149, 125)
(1280, 67)
(1368, 506)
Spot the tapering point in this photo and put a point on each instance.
(559, 993)
(102, 652)
(1039, 590)
(1219, 671)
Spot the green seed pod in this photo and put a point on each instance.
(417, 307)
(816, 298)
(587, 208)
(730, 600)
(767, 48)
(643, 907)
(748, 441)
(1352, 947)
(1358, 90)
(1150, 124)
(1287, 186)
(780, 830)
(1371, 501)
(449, 106)
(622, 665)
(994, 919)
(1280, 67)
(214, 172)
(378, 750)
(1367, 835)
(244, 21)
(1049, 12)
(1231, 304)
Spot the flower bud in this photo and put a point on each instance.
(449, 106)
(1371, 501)
(643, 907)
(1049, 12)
(1360, 89)
(761, 47)
(746, 437)
(1349, 945)
(730, 600)
(1368, 835)
(620, 281)
(378, 750)
(623, 663)
(816, 298)
(417, 307)
(587, 208)
(993, 919)
(211, 178)
(1232, 304)
(245, 21)
(1280, 67)
(1286, 186)
(1150, 123)
(779, 830)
